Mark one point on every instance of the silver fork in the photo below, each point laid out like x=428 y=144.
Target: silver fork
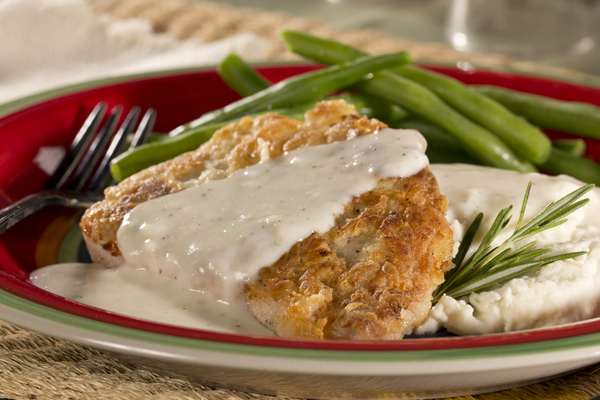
x=73 y=184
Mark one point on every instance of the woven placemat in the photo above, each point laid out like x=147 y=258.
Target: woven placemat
x=35 y=366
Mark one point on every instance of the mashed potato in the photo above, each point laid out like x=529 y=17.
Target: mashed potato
x=561 y=292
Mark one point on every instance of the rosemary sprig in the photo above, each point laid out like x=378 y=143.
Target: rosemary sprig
x=488 y=266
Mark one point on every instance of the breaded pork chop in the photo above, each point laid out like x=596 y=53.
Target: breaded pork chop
x=232 y=148
x=370 y=277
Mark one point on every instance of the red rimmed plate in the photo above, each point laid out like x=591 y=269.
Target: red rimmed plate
x=307 y=368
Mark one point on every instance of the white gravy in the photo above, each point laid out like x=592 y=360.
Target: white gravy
x=218 y=235
x=187 y=255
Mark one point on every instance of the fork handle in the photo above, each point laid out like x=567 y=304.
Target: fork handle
x=25 y=207
x=35 y=202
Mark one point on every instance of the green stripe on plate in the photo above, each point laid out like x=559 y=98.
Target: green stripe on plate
x=50 y=314
x=24 y=102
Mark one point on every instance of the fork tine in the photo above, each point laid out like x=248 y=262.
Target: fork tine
x=96 y=150
x=77 y=148
x=145 y=129
x=116 y=147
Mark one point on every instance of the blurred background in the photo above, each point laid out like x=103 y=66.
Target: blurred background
x=544 y=31
x=50 y=43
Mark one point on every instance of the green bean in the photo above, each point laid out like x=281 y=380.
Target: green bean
x=376 y=107
x=324 y=51
x=522 y=137
x=566 y=116
x=370 y=106
x=156 y=152
x=561 y=162
x=300 y=88
x=476 y=140
x=575 y=147
x=438 y=155
x=442 y=148
x=433 y=134
x=240 y=76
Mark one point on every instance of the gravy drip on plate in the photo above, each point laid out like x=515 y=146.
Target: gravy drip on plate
x=137 y=294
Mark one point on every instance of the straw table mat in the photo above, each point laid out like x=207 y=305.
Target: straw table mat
x=35 y=366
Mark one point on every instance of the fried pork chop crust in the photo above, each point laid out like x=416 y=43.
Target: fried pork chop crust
x=232 y=148
x=371 y=276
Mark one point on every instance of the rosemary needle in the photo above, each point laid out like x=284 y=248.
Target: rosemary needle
x=491 y=265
